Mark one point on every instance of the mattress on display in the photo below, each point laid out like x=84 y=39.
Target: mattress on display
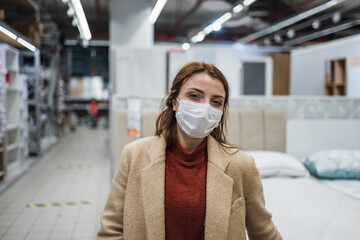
x=305 y=208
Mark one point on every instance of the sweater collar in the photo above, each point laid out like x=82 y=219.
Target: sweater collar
x=216 y=154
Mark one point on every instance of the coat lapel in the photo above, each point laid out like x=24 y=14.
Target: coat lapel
x=218 y=193
x=153 y=185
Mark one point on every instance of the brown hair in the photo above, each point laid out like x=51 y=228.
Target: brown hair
x=166 y=122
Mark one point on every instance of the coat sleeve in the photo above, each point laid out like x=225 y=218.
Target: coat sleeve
x=259 y=224
x=113 y=213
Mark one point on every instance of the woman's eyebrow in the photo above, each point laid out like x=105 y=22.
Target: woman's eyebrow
x=219 y=96
x=202 y=92
x=195 y=89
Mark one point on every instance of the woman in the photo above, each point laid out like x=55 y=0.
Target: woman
x=187 y=182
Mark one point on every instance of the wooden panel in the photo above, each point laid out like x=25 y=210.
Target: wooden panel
x=6 y=39
x=281 y=73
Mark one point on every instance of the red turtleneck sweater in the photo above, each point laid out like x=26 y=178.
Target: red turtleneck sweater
x=185 y=192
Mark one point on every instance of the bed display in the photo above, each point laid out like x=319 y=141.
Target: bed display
x=304 y=207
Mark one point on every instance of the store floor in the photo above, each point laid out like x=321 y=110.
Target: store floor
x=63 y=194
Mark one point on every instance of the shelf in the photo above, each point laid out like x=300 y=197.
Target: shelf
x=12 y=126
x=13 y=89
x=339 y=80
x=340 y=84
x=69 y=99
x=12 y=69
x=12 y=147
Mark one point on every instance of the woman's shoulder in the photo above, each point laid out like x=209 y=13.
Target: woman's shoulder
x=144 y=142
x=240 y=160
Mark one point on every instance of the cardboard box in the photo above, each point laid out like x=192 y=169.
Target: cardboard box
x=2 y=14
x=32 y=30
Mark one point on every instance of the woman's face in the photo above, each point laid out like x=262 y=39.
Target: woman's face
x=202 y=88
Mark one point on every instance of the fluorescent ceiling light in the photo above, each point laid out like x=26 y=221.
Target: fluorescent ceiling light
x=290 y=21
x=194 y=39
x=248 y=2
x=85 y=31
x=157 y=10
x=26 y=44
x=208 y=29
x=216 y=26
x=185 y=46
x=238 y=8
x=200 y=36
x=224 y=18
x=8 y=33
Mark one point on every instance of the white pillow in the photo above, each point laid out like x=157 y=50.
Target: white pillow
x=272 y=164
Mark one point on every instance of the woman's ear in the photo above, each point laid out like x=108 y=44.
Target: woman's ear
x=174 y=105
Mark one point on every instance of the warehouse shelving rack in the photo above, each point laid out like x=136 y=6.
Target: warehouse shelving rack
x=12 y=111
x=43 y=130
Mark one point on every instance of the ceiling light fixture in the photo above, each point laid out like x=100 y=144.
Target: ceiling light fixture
x=200 y=36
x=74 y=22
x=157 y=10
x=70 y=12
x=238 y=8
x=185 y=46
x=290 y=21
x=208 y=29
x=290 y=33
x=216 y=26
x=82 y=22
x=194 y=39
x=248 y=2
x=267 y=41
x=316 y=24
x=336 y=17
x=26 y=44
x=224 y=18
x=278 y=38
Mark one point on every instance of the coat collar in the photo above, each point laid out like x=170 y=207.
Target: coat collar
x=218 y=191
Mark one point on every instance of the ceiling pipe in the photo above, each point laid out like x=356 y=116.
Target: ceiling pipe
x=292 y=8
x=185 y=16
x=322 y=33
x=320 y=18
x=290 y=21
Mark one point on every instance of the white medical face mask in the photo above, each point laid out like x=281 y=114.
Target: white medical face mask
x=197 y=120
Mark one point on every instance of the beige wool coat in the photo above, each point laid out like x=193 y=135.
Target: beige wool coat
x=234 y=196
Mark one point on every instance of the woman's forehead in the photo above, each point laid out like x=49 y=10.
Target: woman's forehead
x=204 y=82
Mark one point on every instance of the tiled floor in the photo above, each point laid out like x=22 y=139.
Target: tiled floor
x=71 y=183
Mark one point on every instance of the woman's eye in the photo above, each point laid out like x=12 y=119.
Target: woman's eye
x=217 y=103
x=195 y=96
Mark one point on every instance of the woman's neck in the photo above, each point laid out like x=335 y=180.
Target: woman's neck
x=188 y=143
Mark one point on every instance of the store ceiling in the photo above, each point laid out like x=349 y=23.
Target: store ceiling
x=182 y=19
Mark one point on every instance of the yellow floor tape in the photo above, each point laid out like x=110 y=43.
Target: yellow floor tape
x=59 y=204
